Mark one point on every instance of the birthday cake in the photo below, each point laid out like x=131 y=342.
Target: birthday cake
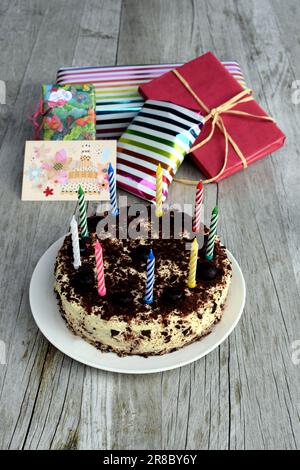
x=121 y=321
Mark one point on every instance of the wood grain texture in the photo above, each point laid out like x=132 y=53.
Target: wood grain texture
x=243 y=395
x=20 y=23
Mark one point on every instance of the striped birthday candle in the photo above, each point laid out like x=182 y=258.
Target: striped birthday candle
x=100 y=269
x=150 y=278
x=193 y=264
x=75 y=243
x=82 y=213
x=209 y=251
x=198 y=207
x=159 y=182
x=112 y=190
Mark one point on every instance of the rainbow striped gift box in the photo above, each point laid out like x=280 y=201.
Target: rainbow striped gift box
x=161 y=133
x=117 y=98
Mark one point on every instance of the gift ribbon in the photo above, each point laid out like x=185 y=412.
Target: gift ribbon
x=215 y=115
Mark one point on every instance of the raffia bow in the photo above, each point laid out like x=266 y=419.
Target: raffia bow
x=215 y=115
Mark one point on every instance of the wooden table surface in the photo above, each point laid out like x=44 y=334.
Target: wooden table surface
x=246 y=393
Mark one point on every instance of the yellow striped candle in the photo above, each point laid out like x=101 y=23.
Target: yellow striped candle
x=193 y=264
x=159 y=181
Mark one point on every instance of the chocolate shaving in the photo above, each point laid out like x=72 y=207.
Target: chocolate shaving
x=125 y=265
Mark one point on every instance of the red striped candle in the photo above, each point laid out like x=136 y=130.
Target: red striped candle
x=198 y=207
x=100 y=269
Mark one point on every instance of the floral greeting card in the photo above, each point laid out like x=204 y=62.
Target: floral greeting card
x=53 y=170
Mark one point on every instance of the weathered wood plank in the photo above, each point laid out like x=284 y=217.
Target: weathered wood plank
x=20 y=23
x=24 y=243
x=244 y=394
x=288 y=179
x=252 y=201
x=52 y=424
x=97 y=42
x=172 y=393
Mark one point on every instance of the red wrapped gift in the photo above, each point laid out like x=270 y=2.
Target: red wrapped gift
x=232 y=116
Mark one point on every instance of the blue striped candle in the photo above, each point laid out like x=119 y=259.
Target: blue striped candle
x=112 y=190
x=150 y=278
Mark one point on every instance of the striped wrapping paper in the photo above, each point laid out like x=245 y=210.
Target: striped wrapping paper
x=160 y=133
x=117 y=97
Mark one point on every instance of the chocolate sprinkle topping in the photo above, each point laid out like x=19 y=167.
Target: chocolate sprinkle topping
x=173 y=295
x=122 y=298
x=114 y=333
x=146 y=333
x=206 y=271
x=83 y=279
x=125 y=275
x=82 y=246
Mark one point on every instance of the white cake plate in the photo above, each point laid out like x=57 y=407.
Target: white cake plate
x=48 y=318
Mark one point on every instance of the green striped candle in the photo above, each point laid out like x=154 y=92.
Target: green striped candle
x=82 y=213
x=209 y=251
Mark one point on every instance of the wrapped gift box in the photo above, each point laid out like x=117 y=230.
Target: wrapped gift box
x=117 y=98
x=67 y=112
x=161 y=134
x=255 y=136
